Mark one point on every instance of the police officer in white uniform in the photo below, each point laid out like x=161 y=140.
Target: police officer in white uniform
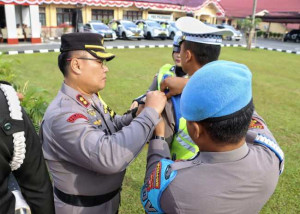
x=86 y=145
x=239 y=163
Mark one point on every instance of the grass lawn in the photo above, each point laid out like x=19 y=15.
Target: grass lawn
x=276 y=94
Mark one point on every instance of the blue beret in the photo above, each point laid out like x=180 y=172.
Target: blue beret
x=218 y=89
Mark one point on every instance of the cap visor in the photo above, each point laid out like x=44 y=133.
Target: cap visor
x=102 y=55
x=194 y=26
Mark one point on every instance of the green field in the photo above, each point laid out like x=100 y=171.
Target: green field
x=276 y=94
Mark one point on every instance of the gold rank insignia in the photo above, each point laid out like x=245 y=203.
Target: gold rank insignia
x=91 y=112
x=106 y=108
x=82 y=100
x=97 y=122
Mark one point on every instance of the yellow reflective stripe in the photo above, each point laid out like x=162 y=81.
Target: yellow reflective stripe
x=95 y=47
x=185 y=136
x=185 y=144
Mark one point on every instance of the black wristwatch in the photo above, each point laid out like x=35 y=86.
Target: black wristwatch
x=155 y=137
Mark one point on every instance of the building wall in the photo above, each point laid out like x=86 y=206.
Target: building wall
x=207 y=14
x=274 y=27
x=52 y=30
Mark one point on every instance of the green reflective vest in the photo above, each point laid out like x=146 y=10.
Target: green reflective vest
x=182 y=146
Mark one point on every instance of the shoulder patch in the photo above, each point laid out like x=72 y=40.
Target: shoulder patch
x=255 y=124
x=154 y=181
x=158 y=181
x=76 y=116
x=82 y=100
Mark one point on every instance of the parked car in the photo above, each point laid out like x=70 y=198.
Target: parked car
x=101 y=28
x=172 y=29
x=293 y=35
x=152 y=29
x=237 y=35
x=126 y=29
x=170 y=26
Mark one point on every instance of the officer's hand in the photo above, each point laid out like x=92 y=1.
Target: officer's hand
x=134 y=105
x=160 y=129
x=156 y=100
x=175 y=85
x=140 y=109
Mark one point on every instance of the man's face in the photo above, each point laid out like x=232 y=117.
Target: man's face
x=177 y=59
x=182 y=55
x=93 y=76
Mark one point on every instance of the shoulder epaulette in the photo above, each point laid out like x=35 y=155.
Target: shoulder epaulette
x=273 y=146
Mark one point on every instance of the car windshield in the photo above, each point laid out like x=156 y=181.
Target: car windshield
x=128 y=24
x=230 y=27
x=153 y=24
x=100 y=27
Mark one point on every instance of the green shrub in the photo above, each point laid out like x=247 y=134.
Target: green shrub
x=259 y=33
x=33 y=102
x=6 y=71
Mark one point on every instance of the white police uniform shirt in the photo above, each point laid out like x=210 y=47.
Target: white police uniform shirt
x=238 y=181
x=87 y=150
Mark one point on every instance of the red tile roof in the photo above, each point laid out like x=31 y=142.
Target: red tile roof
x=189 y=3
x=243 y=8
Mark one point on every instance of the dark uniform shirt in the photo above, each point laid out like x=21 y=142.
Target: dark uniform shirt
x=237 y=181
x=32 y=176
x=87 y=150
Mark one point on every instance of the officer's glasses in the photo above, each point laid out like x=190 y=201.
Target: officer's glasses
x=103 y=63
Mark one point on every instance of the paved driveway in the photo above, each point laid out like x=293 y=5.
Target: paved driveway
x=56 y=44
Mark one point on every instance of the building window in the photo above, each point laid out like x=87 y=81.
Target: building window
x=42 y=16
x=132 y=15
x=103 y=15
x=64 y=16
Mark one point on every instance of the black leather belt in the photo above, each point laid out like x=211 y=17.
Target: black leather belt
x=85 y=201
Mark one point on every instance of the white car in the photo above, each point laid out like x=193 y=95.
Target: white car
x=172 y=29
x=126 y=29
x=101 y=28
x=237 y=35
x=152 y=29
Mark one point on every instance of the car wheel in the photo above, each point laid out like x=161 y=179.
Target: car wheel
x=124 y=35
x=163 y=38
x=172 y=35
x=139 y=39
x=149 y=35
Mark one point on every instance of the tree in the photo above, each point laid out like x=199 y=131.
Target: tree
x=246 y=25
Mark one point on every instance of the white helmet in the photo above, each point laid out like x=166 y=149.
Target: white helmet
x=176 y=41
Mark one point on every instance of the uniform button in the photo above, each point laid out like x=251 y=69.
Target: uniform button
x=7 y=126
